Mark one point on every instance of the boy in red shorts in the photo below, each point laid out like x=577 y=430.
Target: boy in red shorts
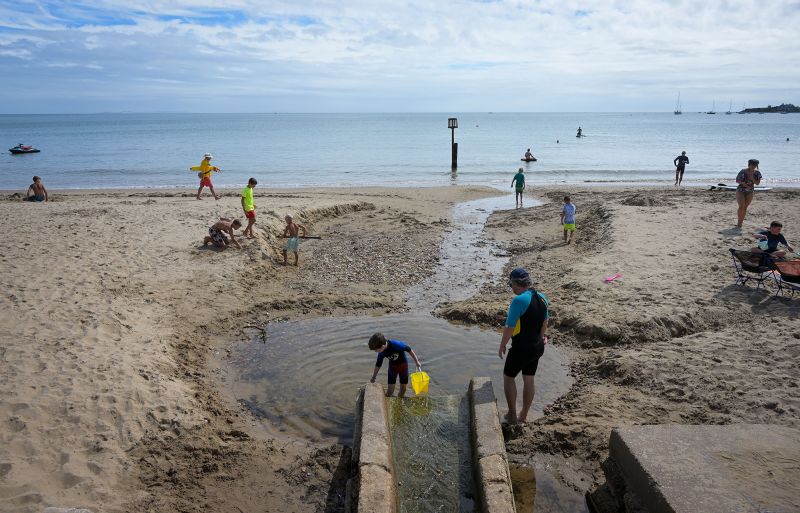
x=395 y=351
x=249 y=207
x=205 y=168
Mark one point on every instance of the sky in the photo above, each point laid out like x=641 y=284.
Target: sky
x=392 y=56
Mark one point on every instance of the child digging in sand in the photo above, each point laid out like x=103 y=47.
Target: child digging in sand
x=36 y=191
x=216 y=234
x=568 y=220
x=292 y=231
x=249 y=207
x=395 y=351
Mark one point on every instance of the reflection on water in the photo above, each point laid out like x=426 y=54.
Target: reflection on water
x=304 y=380
x=431 y=452
x=536 y=491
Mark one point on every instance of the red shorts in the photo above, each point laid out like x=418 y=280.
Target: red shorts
x=205 y=181
x=250 y=215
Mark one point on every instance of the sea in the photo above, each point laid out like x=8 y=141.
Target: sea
x=121 y=150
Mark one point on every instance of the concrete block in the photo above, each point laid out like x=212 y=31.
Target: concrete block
x=374 y=444
x=487 y=433
x=740 y=468
x=356 y=453
x=481 y=391
x=489 y=450
x=497 y=494
x=376 y=490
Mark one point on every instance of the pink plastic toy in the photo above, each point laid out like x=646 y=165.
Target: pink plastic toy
x=612 y=278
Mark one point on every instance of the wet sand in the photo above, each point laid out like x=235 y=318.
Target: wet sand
x=113 y=319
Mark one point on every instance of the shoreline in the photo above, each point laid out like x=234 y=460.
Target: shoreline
x=114 y=318
x=789 y=183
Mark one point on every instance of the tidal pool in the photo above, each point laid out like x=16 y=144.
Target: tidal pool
x=304 y=379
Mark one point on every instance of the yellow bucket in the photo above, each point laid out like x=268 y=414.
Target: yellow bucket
x=419 y=382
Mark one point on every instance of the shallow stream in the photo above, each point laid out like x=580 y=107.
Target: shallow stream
x=304 y=377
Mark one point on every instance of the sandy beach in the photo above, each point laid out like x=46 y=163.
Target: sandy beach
x=114 y=320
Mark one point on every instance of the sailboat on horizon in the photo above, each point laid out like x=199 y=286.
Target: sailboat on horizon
x=678 y=106
x=712 y=111
x=730 y=106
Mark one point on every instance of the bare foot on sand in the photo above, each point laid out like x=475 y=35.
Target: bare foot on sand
x=509 y=419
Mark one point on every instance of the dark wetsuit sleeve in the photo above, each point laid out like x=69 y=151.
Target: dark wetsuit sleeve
x=379 y=361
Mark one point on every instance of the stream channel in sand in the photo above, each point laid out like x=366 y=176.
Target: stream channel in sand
x=304 y=380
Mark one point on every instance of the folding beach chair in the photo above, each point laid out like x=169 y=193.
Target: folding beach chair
x=787 y=275
x=751 y=266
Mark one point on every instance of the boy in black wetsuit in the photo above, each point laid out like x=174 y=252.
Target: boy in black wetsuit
x=680 y=166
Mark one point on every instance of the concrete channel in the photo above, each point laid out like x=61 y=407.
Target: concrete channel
x=372 y=487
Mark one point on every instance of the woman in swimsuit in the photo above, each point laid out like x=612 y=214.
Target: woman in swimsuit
x=747 y=179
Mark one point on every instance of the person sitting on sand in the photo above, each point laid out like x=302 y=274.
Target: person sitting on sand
x=519 y=180
x=770 y=238
x=568 y=219
x=36 y=191
x=747 y=179
x=205 y=168
x=526 y=327
x=292 y=231
x=216 y=234
x=395 y=351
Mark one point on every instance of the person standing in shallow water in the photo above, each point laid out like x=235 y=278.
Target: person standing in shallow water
x=519 y=180
x=680 y=166
x=746 y=181
x=526 y=327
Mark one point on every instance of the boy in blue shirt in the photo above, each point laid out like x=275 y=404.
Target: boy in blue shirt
x=394 y=351
x=568 y=220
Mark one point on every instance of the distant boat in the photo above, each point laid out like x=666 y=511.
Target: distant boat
x=712 y=111
x=730 y=105
x=678 y=106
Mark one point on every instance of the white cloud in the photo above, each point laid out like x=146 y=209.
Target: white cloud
x=505 y=55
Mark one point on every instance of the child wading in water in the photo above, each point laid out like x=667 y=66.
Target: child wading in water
x=568 y=220
x=292 y=231
x=395 y=351
x=249 y=207
x=519 y=179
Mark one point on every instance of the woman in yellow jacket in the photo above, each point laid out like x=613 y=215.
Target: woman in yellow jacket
x=205 y=169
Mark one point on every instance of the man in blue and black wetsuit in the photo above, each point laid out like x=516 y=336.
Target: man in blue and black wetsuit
x=394 y=351
x=526 y=327
x=680 y=166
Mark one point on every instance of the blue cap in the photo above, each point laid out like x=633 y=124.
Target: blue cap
x=519 y=274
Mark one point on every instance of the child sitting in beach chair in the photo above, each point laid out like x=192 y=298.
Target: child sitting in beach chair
x=770 y=238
